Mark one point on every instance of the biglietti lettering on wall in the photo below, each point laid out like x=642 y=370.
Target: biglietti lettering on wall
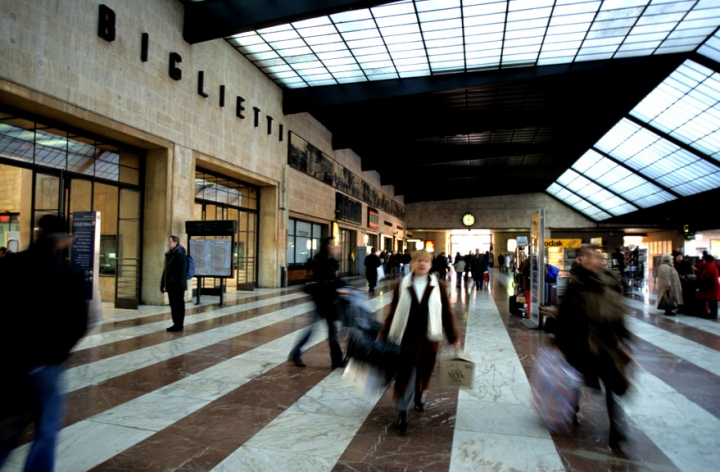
x=107 y=30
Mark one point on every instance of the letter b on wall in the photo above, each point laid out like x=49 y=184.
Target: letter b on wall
x=106 y=23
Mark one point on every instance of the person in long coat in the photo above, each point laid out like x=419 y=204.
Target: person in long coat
x=418 y=315
x=591 y=333
x=687 y=282
x=372 y=262
x=668 y=282
x=708 y=292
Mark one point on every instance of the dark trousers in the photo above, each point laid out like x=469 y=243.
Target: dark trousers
x=177 y=306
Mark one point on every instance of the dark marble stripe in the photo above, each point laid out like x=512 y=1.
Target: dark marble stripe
x=115 y=325
x=105 y=351
x=586 y=449
x=206 y=437
x=655 y=318
x=428 y=444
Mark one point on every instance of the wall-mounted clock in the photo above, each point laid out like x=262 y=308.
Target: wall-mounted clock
x=468 y=219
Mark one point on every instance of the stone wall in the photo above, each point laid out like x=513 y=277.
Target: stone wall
x=498 y=212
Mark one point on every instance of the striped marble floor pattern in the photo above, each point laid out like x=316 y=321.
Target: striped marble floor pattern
x=221 y=396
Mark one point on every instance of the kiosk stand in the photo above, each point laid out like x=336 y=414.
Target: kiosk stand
x=211 y=247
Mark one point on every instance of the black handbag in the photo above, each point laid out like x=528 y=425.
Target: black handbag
x=667 y=302
x=363 y=346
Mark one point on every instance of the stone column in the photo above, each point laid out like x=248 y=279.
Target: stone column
x=271 y=254
x=169 y=199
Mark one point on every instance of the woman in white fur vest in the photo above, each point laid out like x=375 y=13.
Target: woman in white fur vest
x=418 y=316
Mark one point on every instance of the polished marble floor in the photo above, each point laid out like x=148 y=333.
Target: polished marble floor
x=221 y=396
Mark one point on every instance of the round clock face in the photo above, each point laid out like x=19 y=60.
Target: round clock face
x=468 y=219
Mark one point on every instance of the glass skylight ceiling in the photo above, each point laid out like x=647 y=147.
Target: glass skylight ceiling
x=668 y=151
x=414 y=38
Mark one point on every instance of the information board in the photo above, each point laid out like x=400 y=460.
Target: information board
x=213 y=257
x=85 y=247
x=347 y=209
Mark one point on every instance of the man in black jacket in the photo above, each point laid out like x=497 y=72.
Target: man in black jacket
x=174 y=281
x=44 y=314
x=372 y=262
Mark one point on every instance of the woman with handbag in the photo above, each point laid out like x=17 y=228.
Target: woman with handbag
x=669 y=290
x=419 y=313
x=708 y=292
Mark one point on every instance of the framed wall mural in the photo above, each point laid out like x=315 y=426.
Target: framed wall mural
x=306 y=158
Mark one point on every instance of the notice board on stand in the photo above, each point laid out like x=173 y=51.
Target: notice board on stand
x=213 y=257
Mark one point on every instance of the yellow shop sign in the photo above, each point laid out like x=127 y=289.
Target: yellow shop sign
x=564 y=243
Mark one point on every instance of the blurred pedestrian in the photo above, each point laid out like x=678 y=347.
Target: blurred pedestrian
x=324 y=267
x=591 y=333
x=418 y=315
x=174 y=281
x=44 y=314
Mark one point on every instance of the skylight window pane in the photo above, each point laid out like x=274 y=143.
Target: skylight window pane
x=398 y=8
x=401 y=30
x=371 y=51
x=361 y=35
x=412 y=67
x=567 y=177
x=392 y=21
x=291 y=44
x=427 y=5
x=589 y=159
x=255 y=48
x=317 y=31
x=356 y=26
x=450 y=13
x=280 y=36
x=564 y=46
x=492 y=22
x=345 y=70
x=408 y=71
x=352 y=15
x=269 y=63
x=485 y=10
x=326 y=39
x=442 y=25
x=554 y=189
x=451 y=45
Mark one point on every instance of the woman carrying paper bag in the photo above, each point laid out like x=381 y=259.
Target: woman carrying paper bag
x=419 y=313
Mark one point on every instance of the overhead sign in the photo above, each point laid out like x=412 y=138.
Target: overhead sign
x=564 y=243
x=535 y=225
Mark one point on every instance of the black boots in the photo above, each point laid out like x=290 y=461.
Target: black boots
x=402 y=423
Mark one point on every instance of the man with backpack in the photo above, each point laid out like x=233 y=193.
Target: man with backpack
x=174 y=281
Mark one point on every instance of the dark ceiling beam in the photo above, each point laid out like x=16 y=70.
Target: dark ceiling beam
x=213 y=19
x=422 y=154
x=310 y=98
x=447 y=173
x=392 y=128
x=417 y=192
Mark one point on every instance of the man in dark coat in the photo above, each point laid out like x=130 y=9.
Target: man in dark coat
x=174 y=281
x=372 y=262
x=591 y=333
x=324 y=268
x=44 y=314
x=478 y=266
